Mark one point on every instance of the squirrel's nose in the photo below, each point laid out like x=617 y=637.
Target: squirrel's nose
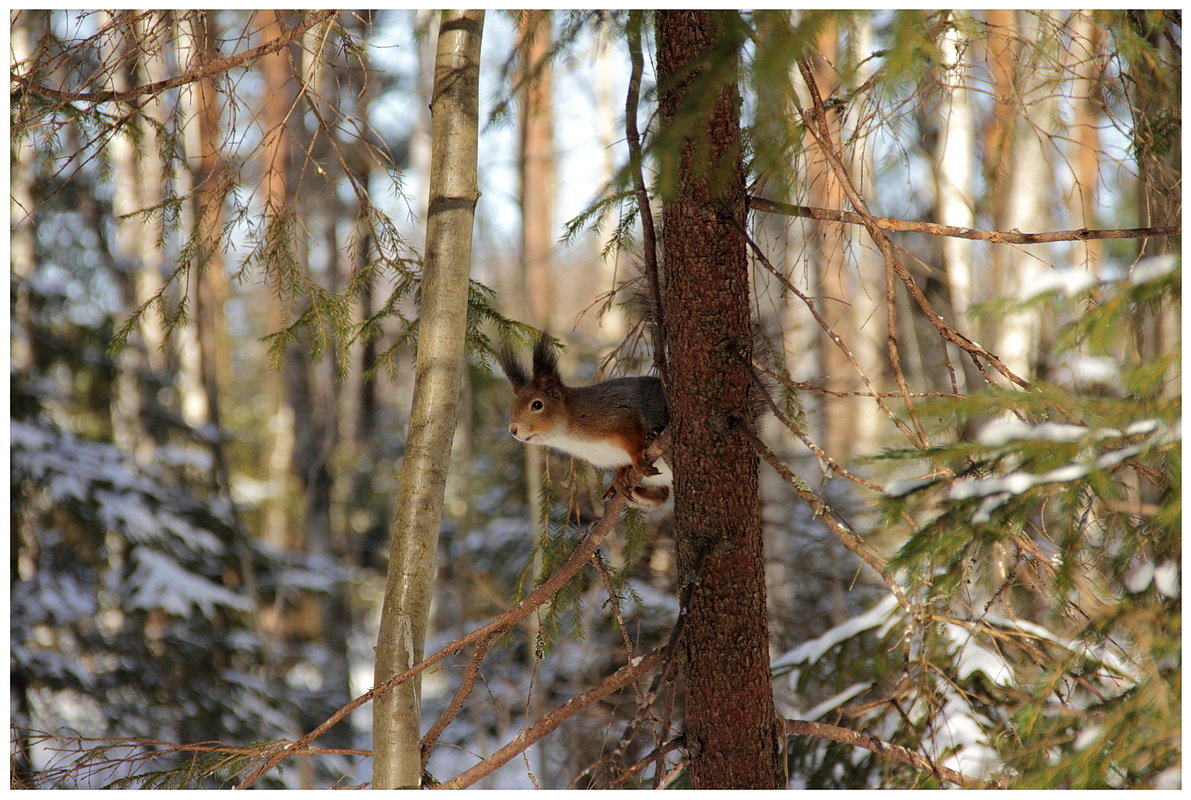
x=513 y=428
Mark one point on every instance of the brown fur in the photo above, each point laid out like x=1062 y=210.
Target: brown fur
x=609 y=424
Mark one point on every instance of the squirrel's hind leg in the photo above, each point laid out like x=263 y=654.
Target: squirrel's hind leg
x=644 y=497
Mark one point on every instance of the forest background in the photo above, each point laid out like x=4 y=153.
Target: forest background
x=971 y=495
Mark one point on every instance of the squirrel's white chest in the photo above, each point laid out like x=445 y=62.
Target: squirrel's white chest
x=594 y=452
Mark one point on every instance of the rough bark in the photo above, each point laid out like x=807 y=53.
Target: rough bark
x=732 y=733
x=438 y=377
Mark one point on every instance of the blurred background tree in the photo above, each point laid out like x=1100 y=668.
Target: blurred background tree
x=973 y=551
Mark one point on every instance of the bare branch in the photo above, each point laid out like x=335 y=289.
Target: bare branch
x=933 y=229
x=465 y=687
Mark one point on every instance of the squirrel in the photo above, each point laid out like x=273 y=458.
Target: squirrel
x=607 y=424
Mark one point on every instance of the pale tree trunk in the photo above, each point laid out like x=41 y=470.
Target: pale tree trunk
x=438 y=372
x=867 y=308
x=211 y=289
x=1086 y=53
x=953 y=170
x=537 y=167
x=138 y=185
x=192 y=392
x=23 y=235
x=1157 y=88
x=1029 y=181
x=998 y=128
x=538 y=193
x=538 y=190
x=613 y=323
x=832 y=281
x=953 y=175
x=731 y=730
x=803 y=357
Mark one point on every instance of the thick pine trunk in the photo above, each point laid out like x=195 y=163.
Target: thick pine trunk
x=438 y=377
x=732 y=733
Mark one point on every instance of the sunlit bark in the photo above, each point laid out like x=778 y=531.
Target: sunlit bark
x=438 y=369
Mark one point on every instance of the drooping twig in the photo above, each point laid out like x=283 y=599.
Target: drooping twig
x=933 y=229
x=456 y=704
x=655 y=755
x=831 y=334
x=669 y=664
x=789 y=425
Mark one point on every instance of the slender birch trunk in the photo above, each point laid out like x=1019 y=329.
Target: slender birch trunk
x=454 y=110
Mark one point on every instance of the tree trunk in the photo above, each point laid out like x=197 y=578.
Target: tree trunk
x=538 y=195
x=1028 y=194
x=953 y=180
x=277 y=520
x=732 y=733
x=438 y=376
x=953 y=171
x=537 y=167
x=1086 y=54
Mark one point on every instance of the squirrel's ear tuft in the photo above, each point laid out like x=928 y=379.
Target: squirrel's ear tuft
x=545 y=360
x=514 y=370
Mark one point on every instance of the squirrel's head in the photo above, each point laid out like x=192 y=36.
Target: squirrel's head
x=538 y=402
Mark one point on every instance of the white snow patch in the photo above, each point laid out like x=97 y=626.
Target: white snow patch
x=161 y=582
x=834 y=702
x=1166 y=579
x=901 y=488
x=1070 y=282
x=809 y=652
x=1149 y=269
x=1078 y=370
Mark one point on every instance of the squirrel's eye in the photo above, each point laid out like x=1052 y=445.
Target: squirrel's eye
x=536 y=405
